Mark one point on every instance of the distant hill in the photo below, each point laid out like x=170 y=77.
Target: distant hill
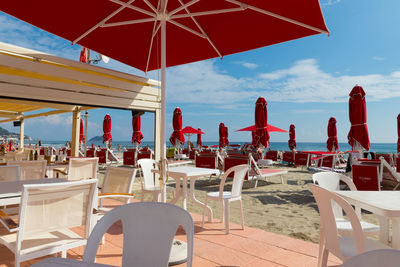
x=6 y=133
x=98 y=138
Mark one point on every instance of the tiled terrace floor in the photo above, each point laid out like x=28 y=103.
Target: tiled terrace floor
x=212 y=247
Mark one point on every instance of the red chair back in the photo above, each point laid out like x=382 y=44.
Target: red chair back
x=235 y=160
x=69 y=152
x=192 y=154
x=387 y=157
x=42 y=151
x=90 y=153
x=129 y=157
x=102 y=155
x=272 y=155
x=327 y=162
x=288 y=157
x=397 y=164
x=301 y=159
x=144 y=155
x=365 y=177
x=206 y=160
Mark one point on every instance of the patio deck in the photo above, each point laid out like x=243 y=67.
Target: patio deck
x=212 y=247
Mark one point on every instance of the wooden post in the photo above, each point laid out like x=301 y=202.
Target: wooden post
x=76 y=117
x=157 y=135
x=21 y=134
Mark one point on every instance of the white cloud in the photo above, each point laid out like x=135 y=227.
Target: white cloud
x=378 y=58
x=250 y=65
x=329 y=2
x=307 y=111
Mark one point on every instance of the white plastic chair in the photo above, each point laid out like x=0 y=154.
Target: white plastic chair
x=149 y=182
x=47 y=213
x=225 y=198
x=342 y=247
x=31 y=169
x=379 y=257
x=81 y=168
x=148 y=231
x=10 y=173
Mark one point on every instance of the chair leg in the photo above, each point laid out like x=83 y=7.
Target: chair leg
x=204 y=212
x=64 y=253
x=17 y=261
x=222 y=211
x=255 y=185
x=226 y=206
x=241 y=213
x=321 y=246
x=324 y=259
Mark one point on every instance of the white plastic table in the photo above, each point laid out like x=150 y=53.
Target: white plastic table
x=384 y=204
x=191 y=173
x=62 y=262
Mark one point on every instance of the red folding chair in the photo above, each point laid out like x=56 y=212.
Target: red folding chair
x=328 y=162
x=102 y=155
x=387 y=156
x=301 y=159
x=234 y=160
x=288 y=156
x=366 y=177
x=272 y=155
x=129 y=157
x=206 y=160
x=90 y=153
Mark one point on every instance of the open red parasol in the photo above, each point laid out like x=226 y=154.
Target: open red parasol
x=261 y=137
x=358 y=133
x=81 y=132
x=188 y=130
x=398 y=133
x=292 y=137
x=137 y=135
x=332 y=142
x=177 y=135
x=199 y=143
x=107 y=128
x=270 y=128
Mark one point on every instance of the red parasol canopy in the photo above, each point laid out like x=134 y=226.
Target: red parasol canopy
x=199 y=143
x=270 y=128
x=292 y=137
x=107 y=128
x=223 y=135
x=261 y=136
x=358 y=118
x=177 y=124
x=398 y=133
x=137 y=135
x=188 y=130
x=332 y=142
x=81 y=132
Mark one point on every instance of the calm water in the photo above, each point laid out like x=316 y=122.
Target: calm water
x=377 y=147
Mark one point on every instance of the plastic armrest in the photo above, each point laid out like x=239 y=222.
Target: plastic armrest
x=8 y=222
x=60 y=171
x=114 y=195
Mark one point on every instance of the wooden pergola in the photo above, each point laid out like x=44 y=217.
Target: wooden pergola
x=32 y=81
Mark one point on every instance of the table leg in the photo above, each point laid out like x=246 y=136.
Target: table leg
x=396 y=233
x=178 y=191
x=184 y=192
x=383 y=229
x=197 y=202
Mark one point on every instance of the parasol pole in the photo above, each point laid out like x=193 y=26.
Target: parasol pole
x=163 y=98
x=86 y=124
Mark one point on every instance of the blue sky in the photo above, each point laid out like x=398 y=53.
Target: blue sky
x=304 y=81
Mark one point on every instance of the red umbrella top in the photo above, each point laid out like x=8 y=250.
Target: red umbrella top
x=270 y=128
x=261 y=136
x=137 y=135
x=199 y=143
x=398 y=133
x=358 y=118
x=292 y=137
x=107 y=128
x=193 y=28
x=177 y=124
x=332 y=142
x=223 y=135
x=81 y=132
x=188 y=130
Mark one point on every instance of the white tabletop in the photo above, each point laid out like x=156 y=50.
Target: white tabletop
x=62 y=262
x=189 y=171
x=385 y=203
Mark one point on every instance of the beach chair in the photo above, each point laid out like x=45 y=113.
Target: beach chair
x=80 y=169
x=90 y=153
x=211 y=160
x=148 y=232
x=288 y=157
x=255 y=173
x=301 y=159
x=342 y=247
x=145 y=153
x=102 y=155
x=272 y=155
x=130 y=156
x=389 y=178
x=373 y=258
x=366 y=177
x=233 y=160
x=387 y=156
x=225 y=198
x=31 y=169
x=47 y=214
x=398 y=164
x=10 y=173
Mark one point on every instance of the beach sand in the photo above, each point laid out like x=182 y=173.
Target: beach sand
x=287 y=209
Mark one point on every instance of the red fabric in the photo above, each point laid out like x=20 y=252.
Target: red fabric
x=199 y=143
x=270 y=128
x=240 y=31
x=261 y=136
x=137 y=135
x=177 y=124
x=107 y=128
x=190 y=130
x=81 y=132
x=83 y=56
x=398 y=133
x=332 y=142
x=365 y=177
x=292 y=138
x=358 y=118
x=223 y=135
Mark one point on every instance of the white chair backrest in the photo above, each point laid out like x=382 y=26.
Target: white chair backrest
x=328 y=180
x=148 y=177
x=240 y=172
x=82 y=168
x=10 y=173
x=148 y=231
x=373 y=258
x=10 y=156
x=118 y=180
x=31 y=169
x=24 y=155
x=324 y=199
x=55 y=206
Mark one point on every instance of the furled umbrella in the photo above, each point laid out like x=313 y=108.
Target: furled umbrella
x=107 y=129
x=81 y=132
x=398 y=133
x=137 y=135
x=358 y=135
x=177 y=137
x=332 y=143
x=226 y=135
x=83 y=56
x=223 y=135
x=199 y=143
x=292 y=137
x=261 y=137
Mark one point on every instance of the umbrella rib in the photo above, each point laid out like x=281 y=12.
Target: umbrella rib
x=151 y=6
x=155 y=30
x=134 y=8
x=187 y=28
x=183 y=6
x=129 y=22
x=263 y=11
x=103 y=21
x=201 y=29
x=211 y=12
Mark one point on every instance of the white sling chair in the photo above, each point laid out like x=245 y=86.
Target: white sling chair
x=47 y=213
x=31 y=169
x=10 y=173
x=80 y=168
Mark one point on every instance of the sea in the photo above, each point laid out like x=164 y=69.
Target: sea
x=301 y=146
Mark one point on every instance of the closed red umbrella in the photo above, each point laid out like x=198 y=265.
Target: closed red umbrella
x=226 y=135
x=199 y=143
x=107 y=128
x=358 y=134
x=223 y=135
x=137 y=135
x=177 y=135
x=81 y=132
x=398 y=133
x=292 y=137
x=332 y=142
x=261 y=136
x=83 y=57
